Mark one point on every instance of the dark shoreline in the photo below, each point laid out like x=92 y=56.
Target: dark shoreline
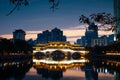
x=14 y=57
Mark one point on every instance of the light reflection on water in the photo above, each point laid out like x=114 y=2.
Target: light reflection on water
x=73 y=70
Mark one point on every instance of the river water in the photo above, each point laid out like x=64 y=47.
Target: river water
x=43 y=69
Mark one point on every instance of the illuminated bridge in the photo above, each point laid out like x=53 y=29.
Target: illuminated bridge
x=59 y=51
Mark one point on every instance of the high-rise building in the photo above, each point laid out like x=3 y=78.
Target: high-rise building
x=78 y=41
x=83 y=40
x=110 y=38
x=56 y=34
x=44 y=37
x=19 y=34
x=51 y=36
x=101 y=41
x=117 y=15
x=64 y=38
x=40 y=38
x=91 y=34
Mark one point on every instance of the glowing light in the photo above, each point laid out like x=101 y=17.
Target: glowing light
x=117 y=64
x=13 y=63
x=106 y=70
x=61 y=45
x=59 y=62
x=5 y=64
x=55 y=45
x=65 y=50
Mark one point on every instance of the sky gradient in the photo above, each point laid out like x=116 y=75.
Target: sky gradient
x=38 y=16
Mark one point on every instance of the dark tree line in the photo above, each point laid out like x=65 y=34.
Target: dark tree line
x=114 y=46
x=14 y=46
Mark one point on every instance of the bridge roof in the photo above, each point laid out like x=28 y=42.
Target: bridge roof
x=58 y=45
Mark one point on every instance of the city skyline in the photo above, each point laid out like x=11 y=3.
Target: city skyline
x=72 y=38
x=37 y=17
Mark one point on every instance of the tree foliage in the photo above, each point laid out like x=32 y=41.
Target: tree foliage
x=22 y=46
x=104 y=21
x=55 y=4
x=114 y=46
x=16 y=46
x=5 y=46
x=19 y=3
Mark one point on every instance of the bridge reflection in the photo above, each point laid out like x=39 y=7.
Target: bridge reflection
x=49 y=69
x=54 y=69
x=14 y=70
x=59 y=65
x=45 y=67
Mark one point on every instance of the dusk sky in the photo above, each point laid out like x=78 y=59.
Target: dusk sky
x=38 y=16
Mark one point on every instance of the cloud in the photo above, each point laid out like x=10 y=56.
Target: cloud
x=34 y=32
x=8 y=36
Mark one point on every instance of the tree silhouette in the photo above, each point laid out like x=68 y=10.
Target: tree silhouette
x=22 y=46
x=19 y=3
x=55 y=4
x=8 y=46
x=103 y=20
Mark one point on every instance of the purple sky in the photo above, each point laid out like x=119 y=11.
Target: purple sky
x=38 y=15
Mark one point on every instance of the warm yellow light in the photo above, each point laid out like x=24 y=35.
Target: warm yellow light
x=61 y=45
x=55 y=45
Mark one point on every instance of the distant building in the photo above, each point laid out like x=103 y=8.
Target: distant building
x=110 y=38
x=47 y=36
x=64 y=39
x=51 y=36
x=83 y=40
x=91 y=34
x=31 y=41
x=44 y=37
x=117 y=15
x=79 y=41
x=19 y=34
x=56 y=35
x=40 y=38
x=101 y=41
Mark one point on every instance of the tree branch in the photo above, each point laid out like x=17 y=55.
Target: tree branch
x=13 y=9
x=17 y=4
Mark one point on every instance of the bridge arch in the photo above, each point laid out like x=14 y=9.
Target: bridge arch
x=39 y=55
x=58 y=55
x=76 y=55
